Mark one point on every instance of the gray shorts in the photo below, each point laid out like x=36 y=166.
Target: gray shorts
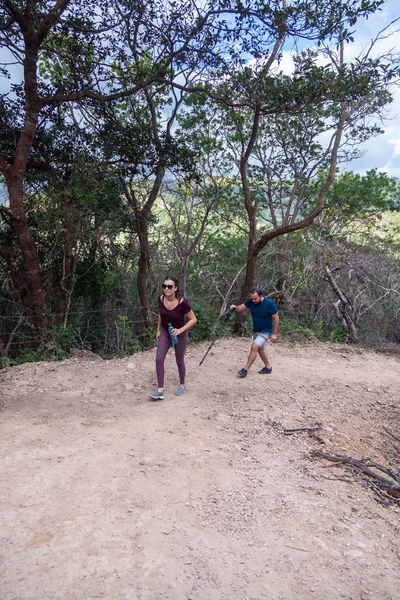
x=261 y=338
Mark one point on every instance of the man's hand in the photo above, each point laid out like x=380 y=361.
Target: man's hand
x=232 y=307
x=273 y=337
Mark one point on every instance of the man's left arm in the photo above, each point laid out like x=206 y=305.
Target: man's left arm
x=274 y=334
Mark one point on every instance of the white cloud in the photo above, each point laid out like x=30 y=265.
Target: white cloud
x=396 y=144
x=286 y=64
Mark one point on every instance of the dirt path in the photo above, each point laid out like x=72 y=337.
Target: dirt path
x=105 y=494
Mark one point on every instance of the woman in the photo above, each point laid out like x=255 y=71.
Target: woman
x=173 y=309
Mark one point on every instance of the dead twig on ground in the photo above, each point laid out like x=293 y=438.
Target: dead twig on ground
x=311 y=429
x=386 y=489
x=317 y=437
x=345 y=479
x=392 y=434
x=296 y=548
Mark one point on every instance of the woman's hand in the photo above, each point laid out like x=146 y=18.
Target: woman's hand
x=158 y=335
x=176 y=332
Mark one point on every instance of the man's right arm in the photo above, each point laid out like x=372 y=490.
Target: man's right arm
x=239 y=308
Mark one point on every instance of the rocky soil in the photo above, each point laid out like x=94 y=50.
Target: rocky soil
x=106 y=494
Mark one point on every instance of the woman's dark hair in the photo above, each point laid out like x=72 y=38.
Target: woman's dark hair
x=256 y=290
x=176 y=282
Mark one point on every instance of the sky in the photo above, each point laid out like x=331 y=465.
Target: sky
x=383 y=151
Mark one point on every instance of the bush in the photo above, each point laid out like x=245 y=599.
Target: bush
x=306 y=329
x=206 y=318
x=295 y=331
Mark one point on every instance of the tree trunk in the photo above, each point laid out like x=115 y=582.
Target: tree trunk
x=142 y=216
x=143 y=266
x=35 y=301
x=251 y=208
x=343 y=308
x=64 y=290
x=248 y=284
x=183 y=274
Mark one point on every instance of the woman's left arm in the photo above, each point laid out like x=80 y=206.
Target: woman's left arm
x=192 y=320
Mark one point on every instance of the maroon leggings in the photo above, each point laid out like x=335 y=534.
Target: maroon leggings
x=164 y=344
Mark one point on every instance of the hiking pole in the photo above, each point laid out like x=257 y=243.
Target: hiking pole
x=224 y=322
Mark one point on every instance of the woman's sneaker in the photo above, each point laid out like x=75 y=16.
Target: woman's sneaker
x=265 y=371
x=157 y=395
x=180 y=391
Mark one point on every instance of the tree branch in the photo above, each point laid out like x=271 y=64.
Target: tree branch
x=50 y=19
x=59 y=98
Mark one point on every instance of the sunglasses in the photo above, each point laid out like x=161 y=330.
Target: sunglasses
x=167 y=286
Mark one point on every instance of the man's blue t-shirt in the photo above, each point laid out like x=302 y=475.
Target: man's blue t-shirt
x=261 y=314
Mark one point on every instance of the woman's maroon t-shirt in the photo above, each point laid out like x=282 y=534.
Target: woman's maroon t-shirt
x=176 y=316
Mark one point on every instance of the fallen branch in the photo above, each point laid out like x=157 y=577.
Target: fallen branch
x=345 y=479
x=392 y=434
x=317 y=437
x=309 y=429
x=296 y=548
x=381 y=485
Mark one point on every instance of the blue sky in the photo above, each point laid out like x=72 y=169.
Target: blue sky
x=383 y=151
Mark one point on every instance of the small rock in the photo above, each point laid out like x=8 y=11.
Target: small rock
x=85 y=354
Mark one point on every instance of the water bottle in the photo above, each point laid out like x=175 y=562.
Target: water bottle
x=174 y=339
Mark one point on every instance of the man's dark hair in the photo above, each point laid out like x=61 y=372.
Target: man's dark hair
x=256 y=290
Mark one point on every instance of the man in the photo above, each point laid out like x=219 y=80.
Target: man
x=265 y=325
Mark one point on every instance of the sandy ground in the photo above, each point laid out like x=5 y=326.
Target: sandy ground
x=106 y=494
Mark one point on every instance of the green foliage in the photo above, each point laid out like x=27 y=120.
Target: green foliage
x=128 y=344
x=4 y=362
x=290 y=328
x=148 y=337
x=206 y=322
x=55 y=344
x=306 y=329
x=362 y=195
x=355 y=204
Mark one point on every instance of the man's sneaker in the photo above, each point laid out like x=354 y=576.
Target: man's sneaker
x=242 y=372
x=265 y=371
x=157 y=395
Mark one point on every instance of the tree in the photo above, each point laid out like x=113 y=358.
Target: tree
x=355 y=202
x=190 y=208
x=276 y=142
x=77 y=51
x=68 y=51
x=361 y=281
